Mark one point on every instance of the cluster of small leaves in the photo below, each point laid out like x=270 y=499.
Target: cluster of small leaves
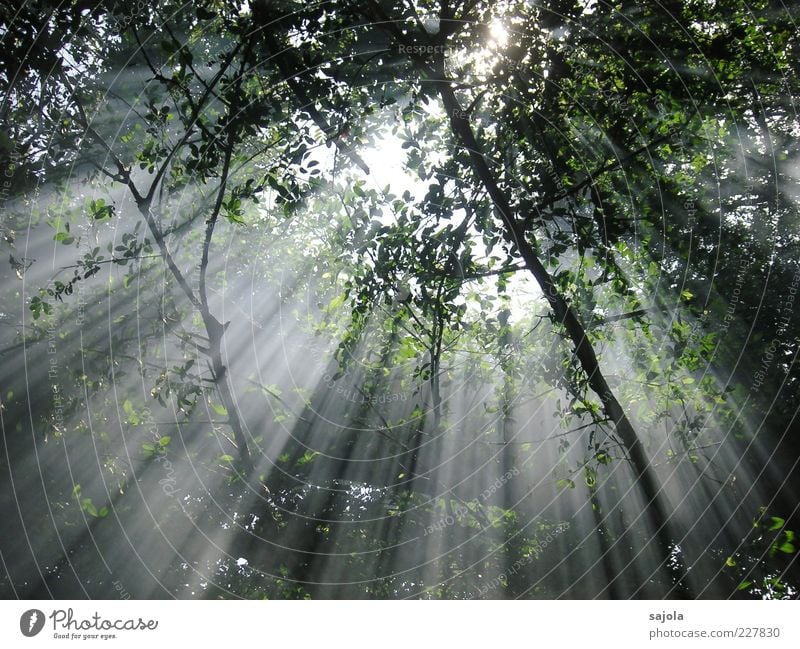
x=87 y=505
x=131 y=248
x=157 y=448
x=181 y=384
x=757 y=565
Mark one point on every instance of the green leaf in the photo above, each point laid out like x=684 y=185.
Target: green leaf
x=99 y=210
x=565 y=483
x=307 y=457
x=225 y=459
x=220 y=410
x=89 y=507
x=777 y=523
x=744 y=584
x=336 y=302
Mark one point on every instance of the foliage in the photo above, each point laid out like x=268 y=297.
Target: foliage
x=586 y=227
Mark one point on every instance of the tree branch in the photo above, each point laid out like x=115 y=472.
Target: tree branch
x=592 y=177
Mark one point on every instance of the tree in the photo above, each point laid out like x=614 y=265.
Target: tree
x=565 y=239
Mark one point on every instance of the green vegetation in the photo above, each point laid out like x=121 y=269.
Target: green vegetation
x=400 y=299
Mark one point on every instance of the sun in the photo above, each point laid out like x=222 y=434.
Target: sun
x=498 y=33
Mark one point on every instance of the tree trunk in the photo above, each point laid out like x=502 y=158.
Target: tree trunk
x=515 y=235
x=220 y=375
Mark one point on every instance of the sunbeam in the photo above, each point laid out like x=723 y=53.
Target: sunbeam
x=460 y=300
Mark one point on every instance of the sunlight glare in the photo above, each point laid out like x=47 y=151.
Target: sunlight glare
x=498 y=33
